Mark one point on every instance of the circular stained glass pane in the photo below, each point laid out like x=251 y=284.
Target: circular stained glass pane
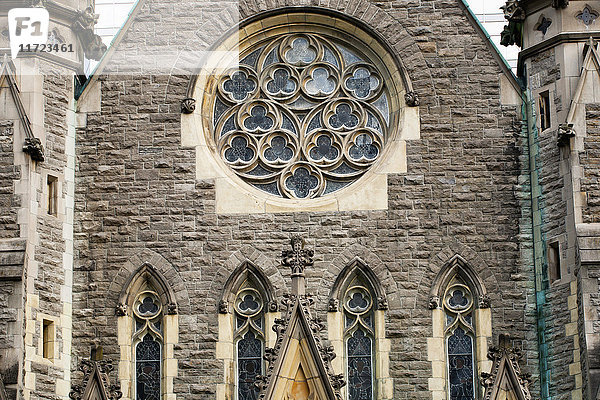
x=357 y=300
x=248 y=302
x=147 y=305
x=302 y=115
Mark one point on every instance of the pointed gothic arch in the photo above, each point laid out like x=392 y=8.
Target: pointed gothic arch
x=462 y=326
x=148 y=329
x=246 y=271
x=147 y=274
x=357 y=268
x=457 y=266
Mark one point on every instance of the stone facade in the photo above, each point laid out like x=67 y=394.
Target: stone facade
x=481 y=192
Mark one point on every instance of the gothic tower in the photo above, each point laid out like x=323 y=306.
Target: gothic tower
x=558 y=66
x=37 y=165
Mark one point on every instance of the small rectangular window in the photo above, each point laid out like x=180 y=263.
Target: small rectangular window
x=544 y=110
x=554 y=273
x=52 y=195
x=48 y=339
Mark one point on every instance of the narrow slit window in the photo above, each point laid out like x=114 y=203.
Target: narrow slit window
x=544 y=110
x=48 y=339
x=52 y=184
x=554 y=273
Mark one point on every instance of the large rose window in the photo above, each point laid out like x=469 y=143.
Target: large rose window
x=301 y=116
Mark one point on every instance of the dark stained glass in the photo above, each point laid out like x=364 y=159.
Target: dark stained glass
x=460 y=365
x=249 y=361
x=147 y=369
x=458 y=299
x=360 y=367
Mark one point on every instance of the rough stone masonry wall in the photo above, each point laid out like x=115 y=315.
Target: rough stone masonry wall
x=9 y=173
x=590 y=160
x=136 y=190
x=551 y=201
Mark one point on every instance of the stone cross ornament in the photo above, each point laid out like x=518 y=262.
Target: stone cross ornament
x=298 y=258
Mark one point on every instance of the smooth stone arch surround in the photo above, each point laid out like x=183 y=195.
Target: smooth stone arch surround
x=233 y=195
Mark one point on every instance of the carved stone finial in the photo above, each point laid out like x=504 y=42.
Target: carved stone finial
x=298 y=258
x=565 y=133
x=412 y=99
x=92 y=44
x=33 y=147
x=484 y=301
x=434 y=302
x=188 y=105
x=333 y=305
x=121 y=310
x=223 y=307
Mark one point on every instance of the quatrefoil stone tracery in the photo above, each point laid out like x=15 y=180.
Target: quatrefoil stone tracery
x=302 y=115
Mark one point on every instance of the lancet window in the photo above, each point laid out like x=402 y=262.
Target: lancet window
x=458 y=308
x=147 y=343
x=249 y=340
x=359 y=334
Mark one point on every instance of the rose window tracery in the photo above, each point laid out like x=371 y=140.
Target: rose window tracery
x=302 y=115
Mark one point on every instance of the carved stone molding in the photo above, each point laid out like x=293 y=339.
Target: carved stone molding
x=505 y=363
x=96 y=383
x=188 y=105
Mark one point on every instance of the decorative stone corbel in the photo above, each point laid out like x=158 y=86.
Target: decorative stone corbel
x=83 y=26
x=484 y=301
x=171 y=309
x=382 y=303
x=121 y=310
x=33 y=146
x=272 y=306
x=565 y=133
x=434 y=302
x=188 y=105
x=333 y=305
x=223 y=307
x=412 y=99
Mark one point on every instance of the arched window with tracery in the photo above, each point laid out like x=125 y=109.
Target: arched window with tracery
x=460 y=339
x=148 y=342
x=359 y=334
x=246 y=306
x=356 y=330
x=249 y=340
x=462 y=326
